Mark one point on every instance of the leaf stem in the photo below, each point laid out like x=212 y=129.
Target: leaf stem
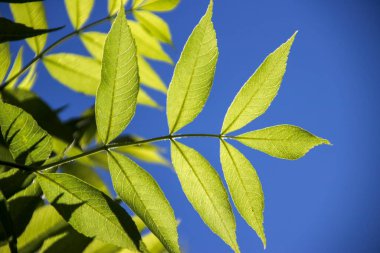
x=110 y=147
x=56 y=43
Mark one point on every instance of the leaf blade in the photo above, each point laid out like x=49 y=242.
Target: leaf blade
x=79 y=11
x=155 y=25
x=258 y=92
x=193 y=75
x=5 y=60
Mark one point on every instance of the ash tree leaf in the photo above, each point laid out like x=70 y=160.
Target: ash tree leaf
x=114 y=5
x=89 y=211
x=16 y=67
x=244 y=186
x=6 y=224
x=116 y=97
x=282 y=141
x=157 y=5
x=205 y=191
x=149 y=77
x=11 y=31
x=29 y=80
x=94 y=43
x=5 y=60
x=144 y=99
x=19 y=1
x=79 y=73
x=27 y=142
x=141 y=193
x=258 y=92
x=79 y=11
x=155 y=25
x=193 y=75
x=32 y=15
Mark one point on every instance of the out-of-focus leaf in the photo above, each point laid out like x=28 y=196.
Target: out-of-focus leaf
x=156 y=5
x=13 y=181
x=116 y=97
x=27 y=142
x=205 y=191
x=149 y=77
x=141 y=193
x=5 y=60
x=245 y=187
x=79 y=73
x=144 y=99
x=114 y=5
x=282 y=141
x=11 y=31
x=20 y=1
x=32 y=15
x=6 y=224
x=147 y=45
x=79 y=11
x=155 y=25
x=89 y=211
x=258 y=92
x=193 y=75
x=29 y=80
x=94 y=43
x=16 y=67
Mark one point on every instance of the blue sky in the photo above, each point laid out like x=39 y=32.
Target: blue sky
x=325 y=202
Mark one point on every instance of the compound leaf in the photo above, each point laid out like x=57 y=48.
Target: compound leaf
x=79 y=11
x=205 y=191
x=244 y=186
x=193 y=75
x=282 y=141
x=155 y=25
x=141 y=193
x=258 y=92
x=116 y=97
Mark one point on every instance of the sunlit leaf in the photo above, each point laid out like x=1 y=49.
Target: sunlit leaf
x=258 y=92
x=27 y=142
x=79 y=73
x=149 y=77
x=244 y=186
x=5 y=60
x=282 y=141
x=205 y=191
x=114 y=5
x=141 y=193
x=147 y=45
x=157 y=5
x=32 y=15
x=193 y=75
x=79 y=11
x=144 y=99
x=94 y=43
x=14 y=180
x=116 y=97
x=11 y=31
x=29 y=80
x=155 y=25
x=89 y=211
x=20 y=1
x=16 y=67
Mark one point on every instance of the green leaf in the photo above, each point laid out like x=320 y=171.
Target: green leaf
x=11 y=31
x=144 y=99
x=14 y=180
x=282 y=141
x=114 y=5
x=32 y=15
x=258 y=92
x=141 y=193
x=16 y=67
x=205 y=191
x=147 y=45
x=6 y=224
x=193 y=75
x=149 y=77
x=29 y=80
x=155 y=25
x=89 y=211
x=157 y=5
x=79 y=11
x=27 y=142
x=5 y=60
x=79 y=73
x=94 y=43
x=116 y=97
x=244 y=186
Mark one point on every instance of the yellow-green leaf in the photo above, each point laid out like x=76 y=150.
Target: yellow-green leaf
x=79 y=11
x=147 y=45
x=16 y=67
x=116 y=97
x=32 y=15
x=157 y=5
x=155 y=25
x=29 y=80
x=193 y=75
x=27 y=142
x=205 y=191
x=79 y=73
x=114 y=5
x=141 y=193
x=89 y=211
x=144 y=99
x=282 y=141
x=149 y=77
x=5 y=60
x=244 y=186
x=94 y=43
x=258 y=92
